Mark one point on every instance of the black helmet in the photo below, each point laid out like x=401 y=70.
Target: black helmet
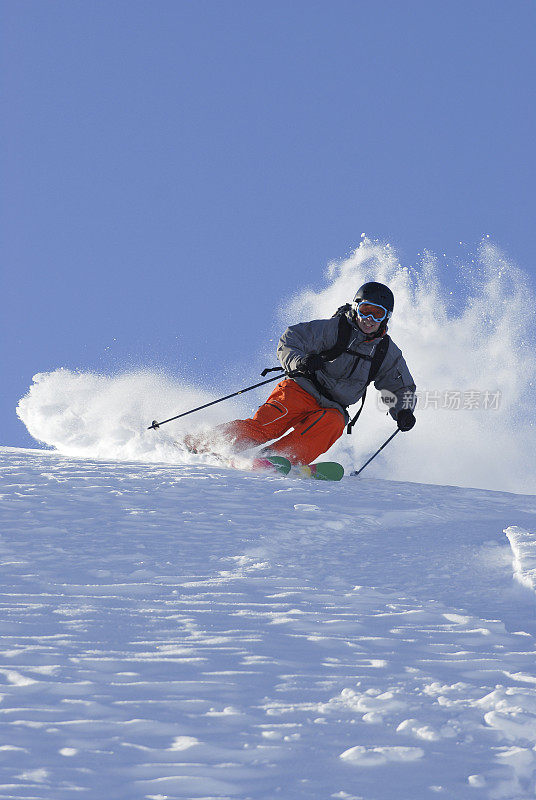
x=377 y=293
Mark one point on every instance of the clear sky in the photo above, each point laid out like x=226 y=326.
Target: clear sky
x=173 y=170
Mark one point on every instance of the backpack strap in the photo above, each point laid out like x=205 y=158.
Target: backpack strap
x=378 y=357
x=344 y=335
x=375 y=363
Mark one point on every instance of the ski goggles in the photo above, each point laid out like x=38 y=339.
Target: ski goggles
x=365 y=309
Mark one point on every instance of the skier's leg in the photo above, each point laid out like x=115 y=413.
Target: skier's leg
x=312 y=436
x=271 y=420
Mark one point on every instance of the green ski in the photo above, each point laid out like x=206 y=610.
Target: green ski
x=280 y=464
x=324 y=471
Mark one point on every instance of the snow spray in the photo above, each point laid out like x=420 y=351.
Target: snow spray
x=105 y=416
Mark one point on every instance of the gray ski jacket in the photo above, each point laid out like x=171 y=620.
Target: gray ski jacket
x=345 y=378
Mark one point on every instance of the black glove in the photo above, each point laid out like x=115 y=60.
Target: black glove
x=405 y=419
x=311 y=363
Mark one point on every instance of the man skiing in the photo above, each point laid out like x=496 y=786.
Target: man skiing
x=328 y=365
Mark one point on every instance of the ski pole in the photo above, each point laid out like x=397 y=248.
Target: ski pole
x=154 y=424
x=356 y=472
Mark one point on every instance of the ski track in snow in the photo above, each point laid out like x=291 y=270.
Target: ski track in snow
x=189 y=631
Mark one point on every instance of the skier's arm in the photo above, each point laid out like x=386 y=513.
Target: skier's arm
x=395 y=377
x=306 y=338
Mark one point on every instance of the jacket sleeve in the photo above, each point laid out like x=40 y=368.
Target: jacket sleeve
x=394 y=376
x=304 y=338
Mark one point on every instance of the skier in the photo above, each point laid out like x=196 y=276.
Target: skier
x=328 y=364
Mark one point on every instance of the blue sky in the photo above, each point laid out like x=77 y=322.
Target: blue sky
x=172 y=171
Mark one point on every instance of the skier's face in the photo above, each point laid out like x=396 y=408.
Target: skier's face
x=368 y=324
x=369 y=315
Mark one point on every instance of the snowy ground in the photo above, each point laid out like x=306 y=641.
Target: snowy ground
x=189 y=631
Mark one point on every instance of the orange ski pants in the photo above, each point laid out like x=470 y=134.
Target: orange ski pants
x=315 y=428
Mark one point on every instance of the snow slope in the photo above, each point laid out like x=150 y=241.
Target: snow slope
x=189 y=631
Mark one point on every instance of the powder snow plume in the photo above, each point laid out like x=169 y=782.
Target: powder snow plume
x=106 y=416
x=472 y=354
